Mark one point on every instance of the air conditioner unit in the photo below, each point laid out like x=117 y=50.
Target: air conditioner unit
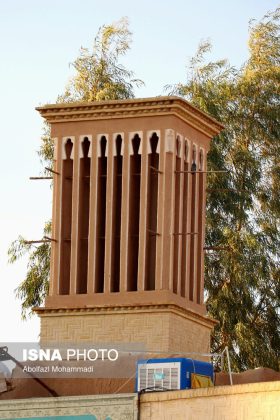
x=169 y=374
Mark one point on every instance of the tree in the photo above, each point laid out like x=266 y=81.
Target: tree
x=99 y=75
x=35 y=286
x=243 y=207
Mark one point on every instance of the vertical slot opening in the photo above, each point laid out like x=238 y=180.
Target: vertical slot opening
x=134 y=214
x=152 y=201
x=101 y=216
x=200 y=222
x=116 y=216
x=177 y=216
x=184 y=222
x=66 y=219
x=83 y=222
x=193 y=216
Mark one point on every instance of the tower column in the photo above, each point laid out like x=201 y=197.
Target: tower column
x=160 y=264
x=143 y=212
x=109 y=202
x=181 y=200
x=56 y=210
x=189 y=220
x=201 y=226
x=124 y=215
x=92 y=215
x=168 y=209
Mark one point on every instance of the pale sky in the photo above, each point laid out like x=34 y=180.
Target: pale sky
x=38 y=40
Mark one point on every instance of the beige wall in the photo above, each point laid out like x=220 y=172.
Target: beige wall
x=164 y=329
x=116 y=407
x=259 y=401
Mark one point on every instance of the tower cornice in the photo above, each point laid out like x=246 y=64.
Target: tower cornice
x=132 y=108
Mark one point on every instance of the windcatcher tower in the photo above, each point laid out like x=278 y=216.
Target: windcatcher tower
x=128 y=224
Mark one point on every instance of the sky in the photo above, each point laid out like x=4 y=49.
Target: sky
x=38 y=41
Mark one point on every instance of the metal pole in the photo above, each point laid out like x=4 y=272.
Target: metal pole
x=222 y=360
x=229 y=367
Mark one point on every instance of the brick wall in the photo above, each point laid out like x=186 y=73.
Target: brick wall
x=167 y=330
x=259 y=401
x=103 y=407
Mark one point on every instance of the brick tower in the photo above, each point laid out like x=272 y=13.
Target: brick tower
x=128 y=224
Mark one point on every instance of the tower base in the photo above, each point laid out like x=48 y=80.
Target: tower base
x=156 y=328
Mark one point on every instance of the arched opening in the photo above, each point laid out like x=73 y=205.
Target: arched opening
x=193 y=168
x=201 y=160
x=83 y=222
x=185 y=237
x=101 y=215
x=134 y=214
x=152 y=202
x=193 y=218
x=176 y=237
x=66 y=218
x=201 y=178
x=116 y=215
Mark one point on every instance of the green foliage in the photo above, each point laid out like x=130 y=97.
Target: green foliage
x=99 y=75
x=243 y=284
x=35 y=285
x=46 y=147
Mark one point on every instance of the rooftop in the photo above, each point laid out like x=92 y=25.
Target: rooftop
x=132 y=108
